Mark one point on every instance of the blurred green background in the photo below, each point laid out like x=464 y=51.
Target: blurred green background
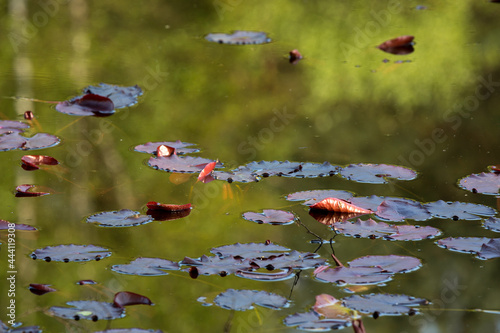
x=345 y=102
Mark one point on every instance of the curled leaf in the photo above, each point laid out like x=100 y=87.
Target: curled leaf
x=125 y=298
x=340 y=206
x=153 y=205
x=32 y=162
x=27 y=190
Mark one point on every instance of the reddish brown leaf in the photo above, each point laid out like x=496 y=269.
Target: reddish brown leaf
x=164 y=150
x=340 y=206
x=96 y=102
x=31 y=162
x=27 y=190
x=153 y=205
x=295 y=56
x=396 y=42
x=28 y=115
x=40 y=289
x=124 y=298
x=207 y=170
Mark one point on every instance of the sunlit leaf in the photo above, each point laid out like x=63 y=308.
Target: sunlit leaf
x=291 y=169
x=376 y=173
x=241 y=300
x=384 y=304
x=458 y=210
x=339 y=206
x=126 y=298
x=121 y=218
x=90 y=310
x=270 y=216
x=146 y=267
x=332 y=308
x=273 y=276
x=239 y=37
x=67 y=253
x=372 y=202
x=204 y=175
x=32 y=162
x=8 y=126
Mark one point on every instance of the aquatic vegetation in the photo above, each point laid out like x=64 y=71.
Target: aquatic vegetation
x=239 y=38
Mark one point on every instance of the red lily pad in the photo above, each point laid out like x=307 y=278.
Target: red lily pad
x=384 y=304
x=376 y=173
x=398 y=210
x=40 y=289
x=270 y=216
x=389 y=263
x=493 y=224
x=318 y=195
x=463 y=244
x=32 y=162
x=458 y=210
x=249 y=250
x=166 y=215
x=354 y=275
x=90 y=310
x=126 y=298
x=484 y=183
x=339 y=206
x=71 y=252
x=400 y=45
x=174 y=163
x=122 y=97
x=241 y=300
x=490 y=250
x=121 y=218
x=27 y=190
x=153 y=205
x=216 y=265
x=4 y=225
x=146 y=267
x=17 y=141
x=239 y=37
x=180 y=147
x=313 y=321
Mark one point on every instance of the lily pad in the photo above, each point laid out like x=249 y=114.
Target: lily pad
x=318 y=195
x=493 y=224
x=249 y=250
x=180 y=147
x=293 y=259
x=90 y=310
x=389 y=263
x=4 y=225
x=463 y=244
x=484 y=183
x=121 y=218
x=174 y=163
x=458 y=210
x=240 y=175
x=17 y=141
x=217 y=266
x=239 y=37
x=354 y=275
x=398 y=210
x=270 y=216
x=364 y=229
x=372 y=202
x=313 y=321
x=384 y=304
x=28 y=190
x=71 y=252
x=414 y=233
x=7 y=126
x=241 y=300
x=291 y=169
x=122 y=97
x=376 y=173
x=490 y=250
x=147 y=267
x=279 y=275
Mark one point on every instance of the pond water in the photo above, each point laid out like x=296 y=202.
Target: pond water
x=434 y=110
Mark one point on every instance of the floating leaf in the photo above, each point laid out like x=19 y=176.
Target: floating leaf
x=241 y=300
x=121 y=218
x=270 y=216
x=339 y=206
x=330 y=218
x=8 y=126
x=205 y=174
x=371 y=202
x=280 y=275
x=414 y=233
x=239 y=38
x=4 y=225
x=294 y=56
x=318 y=195
x=312 y=321
x=484 y=183
x=293 y=259
x=458 y=210
x=398 y=210
x=22 y=329
x=166 y=151
x=32 y=162
x=291 y=169
x=67 y=253
x=364 y=229
x=249 y=250
x=146 y=267
x=90 y=310
x=376 y=173
x=121 y=96
x=153 y=205
x=389 y=263
x=176 y=163
x=17 y=141
x=216 y=265
x=126 y=298
x=180 y=147
x=86 y=282
x=27 y=190
x=384 y=304
x=166 y=215
x=332 y=308
x=463 y=244
x=400 y=45
x=490 y=250
x=238 y=175
x=40 y=289
x=493 y=224
x=354 y=275
x=87 y=105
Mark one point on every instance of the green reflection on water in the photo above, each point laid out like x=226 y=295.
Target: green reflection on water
x=341 y=104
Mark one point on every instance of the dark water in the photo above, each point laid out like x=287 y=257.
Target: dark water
x=436 y=112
